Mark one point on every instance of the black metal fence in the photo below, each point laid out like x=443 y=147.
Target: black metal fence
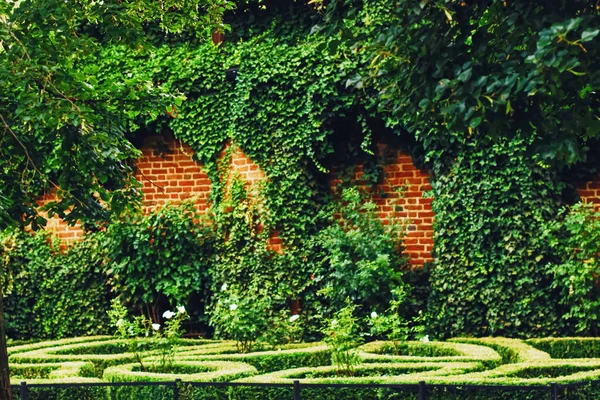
x=296 y=390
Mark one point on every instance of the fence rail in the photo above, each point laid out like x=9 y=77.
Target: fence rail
x=296 y=386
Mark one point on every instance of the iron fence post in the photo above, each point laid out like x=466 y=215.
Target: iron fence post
x=554 y=391
x=297 y=390
x=176 y=389
x=422 y=390
x=24 y=391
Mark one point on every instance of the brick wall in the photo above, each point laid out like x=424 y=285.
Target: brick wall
x=410 y=204
x=168 y=172
x=57 y=226
x=590 y=192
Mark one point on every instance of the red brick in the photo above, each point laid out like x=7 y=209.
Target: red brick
x=587 y=193
x=404 y=174
x=593 y=184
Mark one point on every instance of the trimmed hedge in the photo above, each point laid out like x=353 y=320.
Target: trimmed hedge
x=511 y=350
x=368 y=373
x=428 y=352
x=275 y=360
x=190 y=371
x=576 y=347
x=462 y=361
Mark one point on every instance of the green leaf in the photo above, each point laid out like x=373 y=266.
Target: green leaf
x=475 y=122
x=465 y=75
x=589 y=34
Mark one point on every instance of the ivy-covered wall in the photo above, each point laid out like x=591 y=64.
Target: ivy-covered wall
x=168 y=172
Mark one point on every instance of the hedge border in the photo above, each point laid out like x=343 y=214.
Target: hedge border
x=470 y=353
x=511 y=350
x=224 y=370
x=444 y=368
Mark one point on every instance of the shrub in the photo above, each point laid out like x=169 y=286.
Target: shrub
x=342 y=337
x=142 y=335
x=53 y=293
x=191 y=371
x=405 y=352
x=308 y=355
x=568 y=347
x=363 y=257
x=162 y=255
x=575 y=237
x=493 y=273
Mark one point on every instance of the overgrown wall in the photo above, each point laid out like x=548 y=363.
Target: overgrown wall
x=168 y=172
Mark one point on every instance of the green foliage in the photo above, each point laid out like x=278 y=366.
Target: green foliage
x=576 y=240
x=492 y=273
x=499 y=96
x=63 y=119
x=164 y=254
x=343 y=337
x=53 y=293
x=362 y=258
x=143 y=335
x=467 y=79
x=241 y=315
x=392 y=326
x=568 y=347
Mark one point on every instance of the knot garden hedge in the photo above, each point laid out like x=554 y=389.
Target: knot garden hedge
x=460 y=361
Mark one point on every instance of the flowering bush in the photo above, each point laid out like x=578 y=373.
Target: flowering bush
x=143 y=335
x=284 y=329
x=362 y=257
x=244 y=319
x=343 y=337
x=251 y=320
x=392 y=326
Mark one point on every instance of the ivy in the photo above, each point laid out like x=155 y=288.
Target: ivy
x=493 y=273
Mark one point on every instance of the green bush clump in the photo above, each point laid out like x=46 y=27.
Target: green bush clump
x=493 y=273
x=568 y=347
x=575 y=238
x=164 y=255
x=53 y=293
x=362 y=257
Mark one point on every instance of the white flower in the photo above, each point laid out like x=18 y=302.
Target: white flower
x=233 y=307
x=425 y=339
x=168 y=314
x=120 y=322
x=224 y=287
x=373 y=314
x=294 y=317
x=156 y=326
x=333 y=323
x=180 y=309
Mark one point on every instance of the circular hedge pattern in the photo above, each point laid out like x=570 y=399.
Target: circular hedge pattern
x=458 y=361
